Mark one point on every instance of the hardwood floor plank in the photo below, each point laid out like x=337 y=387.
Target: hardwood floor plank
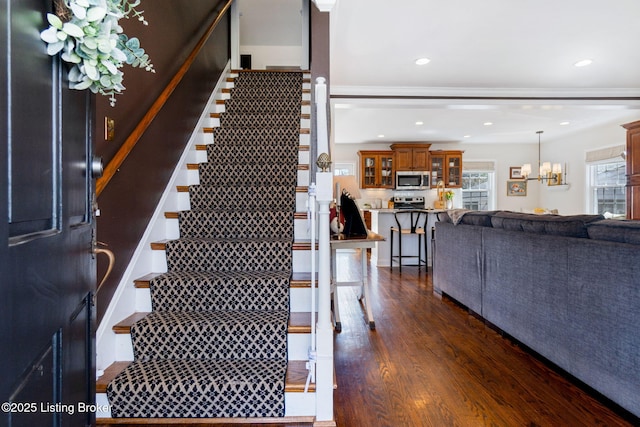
x=429 y=362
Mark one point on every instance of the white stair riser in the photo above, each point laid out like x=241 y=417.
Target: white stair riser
x=296 y=405
x=302 y=260
x=300 y=299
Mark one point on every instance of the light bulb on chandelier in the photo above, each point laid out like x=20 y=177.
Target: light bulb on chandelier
x=552 y=174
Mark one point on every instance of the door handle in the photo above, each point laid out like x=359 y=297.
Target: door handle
x=97 y=168
x=112 y=260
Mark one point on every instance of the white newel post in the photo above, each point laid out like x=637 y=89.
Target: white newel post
x=324 y=328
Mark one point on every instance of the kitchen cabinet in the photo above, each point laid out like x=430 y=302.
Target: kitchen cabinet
x=446 y=166
x=411 y=156
x=633 y=169
x=376 y=169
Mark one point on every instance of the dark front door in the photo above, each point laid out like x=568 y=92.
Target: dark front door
x=46 y=270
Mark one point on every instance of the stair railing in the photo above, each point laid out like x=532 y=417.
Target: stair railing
x=323 y=195
x=131 y=141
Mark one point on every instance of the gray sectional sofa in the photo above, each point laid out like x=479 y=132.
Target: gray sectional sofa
x=568 y=287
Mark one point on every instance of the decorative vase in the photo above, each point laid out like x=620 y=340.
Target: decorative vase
x=449 y=203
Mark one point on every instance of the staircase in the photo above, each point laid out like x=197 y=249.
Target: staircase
x=227 y=334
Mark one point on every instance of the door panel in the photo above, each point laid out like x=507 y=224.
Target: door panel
x=47 y=270
x=34 y=210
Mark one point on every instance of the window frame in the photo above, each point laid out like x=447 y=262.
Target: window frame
x=591 y=187
x=491 y=183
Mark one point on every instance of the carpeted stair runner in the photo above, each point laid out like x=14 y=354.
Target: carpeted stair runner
x=215 y=344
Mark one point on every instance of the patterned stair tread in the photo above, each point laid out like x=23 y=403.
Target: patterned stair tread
x=244 y=174
x=197 y=254
x=261 y=196
x=212 y=224
x=221 y=290
x=304 y=116
x=196 y=166
x=299 y=323
x=299 y=245
x=298 y=279
x=211 y=335
x=203 y=147
x=294 y=382
x=228 y=90
x=199 y=388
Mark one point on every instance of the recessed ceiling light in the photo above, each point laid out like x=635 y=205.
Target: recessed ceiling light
x=419 y=123
x=422 y=61
x=583 y=63
x=381 y=136
x=564 y=123
x=467 y=136
x=488 y=123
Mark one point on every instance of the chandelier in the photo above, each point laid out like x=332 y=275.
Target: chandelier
x=552 y=174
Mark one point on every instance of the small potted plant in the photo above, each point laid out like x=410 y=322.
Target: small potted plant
x=448 y=197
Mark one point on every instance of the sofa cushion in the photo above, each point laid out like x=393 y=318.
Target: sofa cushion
x=559 y=225
x=481 y=218
x=615 y=230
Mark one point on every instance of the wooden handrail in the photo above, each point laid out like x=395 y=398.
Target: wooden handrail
x=138 y=131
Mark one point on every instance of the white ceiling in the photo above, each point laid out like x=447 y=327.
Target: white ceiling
x=509 y=62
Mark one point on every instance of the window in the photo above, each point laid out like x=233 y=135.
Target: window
x=477 y=190
x=608 y=196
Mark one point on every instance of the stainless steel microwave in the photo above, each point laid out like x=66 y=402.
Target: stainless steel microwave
x=412 y=180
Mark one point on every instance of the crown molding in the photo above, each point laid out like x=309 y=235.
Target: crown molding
x=564 y=94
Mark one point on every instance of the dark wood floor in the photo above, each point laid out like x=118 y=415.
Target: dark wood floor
x=430 y=363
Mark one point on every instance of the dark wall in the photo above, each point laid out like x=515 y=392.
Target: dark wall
x=128 y=201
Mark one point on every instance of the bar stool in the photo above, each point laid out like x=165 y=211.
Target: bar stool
x=410 y=222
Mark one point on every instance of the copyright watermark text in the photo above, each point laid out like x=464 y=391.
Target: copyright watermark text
x=66 y=408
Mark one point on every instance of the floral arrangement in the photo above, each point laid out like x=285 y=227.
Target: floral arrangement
x=448 y=195
x=91 y=40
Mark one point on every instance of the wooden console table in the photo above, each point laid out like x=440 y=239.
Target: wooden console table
x=364 y=296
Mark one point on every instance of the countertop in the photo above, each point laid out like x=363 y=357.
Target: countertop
x=392 y=211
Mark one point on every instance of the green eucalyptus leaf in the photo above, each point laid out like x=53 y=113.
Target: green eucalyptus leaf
x=83 y=84
x=91 y=71
x=133 y=43
x=118 y=55
x=54 y=21
x=104 y=45
x=73 y=30
x=96 y=14
x=50 y=35
x=71 y=57
x=91 y=43
x=54 y=48
x=110 y=66
x=79 y=11
x=105 y=81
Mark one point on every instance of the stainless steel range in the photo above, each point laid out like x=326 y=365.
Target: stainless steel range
x=408 y=202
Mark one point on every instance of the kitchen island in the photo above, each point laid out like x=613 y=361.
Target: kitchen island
x=381 y=222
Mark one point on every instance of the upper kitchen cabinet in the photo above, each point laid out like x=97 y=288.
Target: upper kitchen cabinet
x=376 y=169
x=446 y=166
x=411 y=156
x=633 y=169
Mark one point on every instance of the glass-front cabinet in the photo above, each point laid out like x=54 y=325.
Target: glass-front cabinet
x=376 y=169
x=446 y=166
